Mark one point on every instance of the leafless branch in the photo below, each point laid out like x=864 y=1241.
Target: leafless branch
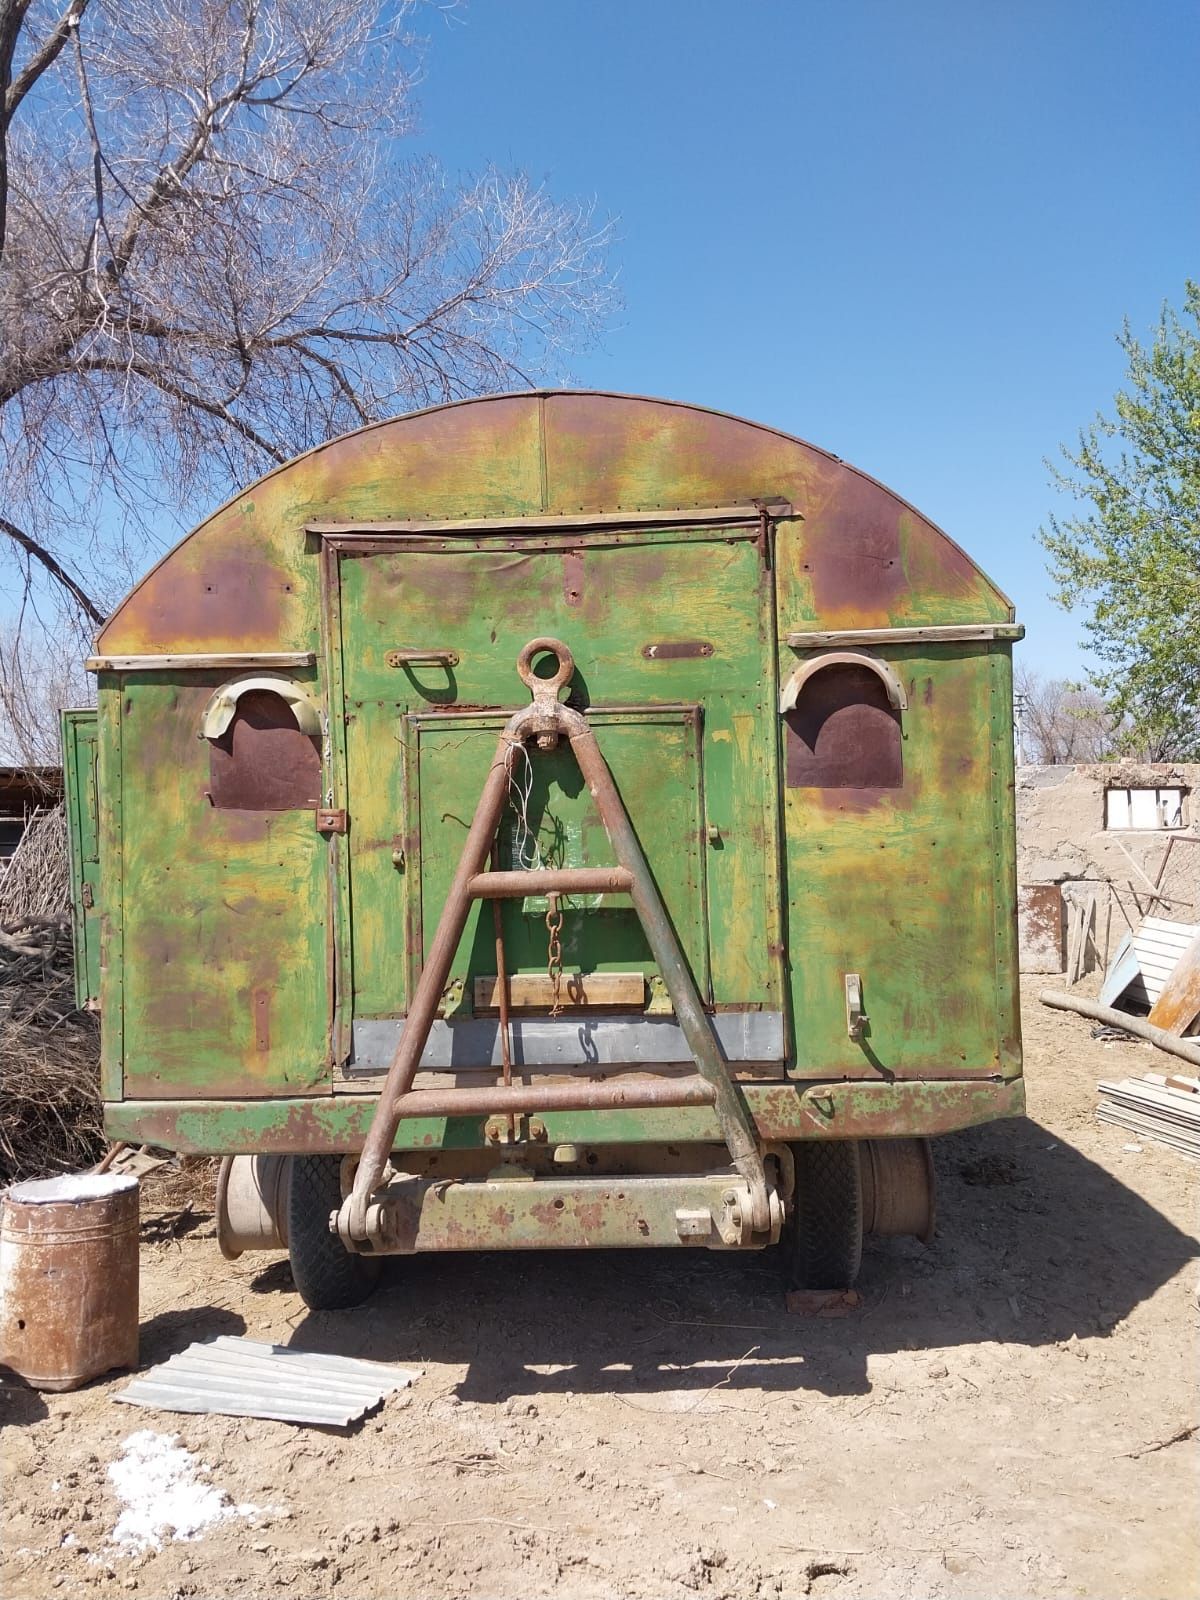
x=216 y=257
x=38 y=551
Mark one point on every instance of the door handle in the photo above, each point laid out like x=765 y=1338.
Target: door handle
x=422 y=658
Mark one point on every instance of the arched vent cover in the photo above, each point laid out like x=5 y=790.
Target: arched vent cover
x=842 y=730
x=264 y=746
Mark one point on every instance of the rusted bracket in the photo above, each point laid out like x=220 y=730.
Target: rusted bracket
x=546 y=721
x=331 y=820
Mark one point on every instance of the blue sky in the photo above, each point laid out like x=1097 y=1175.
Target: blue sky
x=907 y=232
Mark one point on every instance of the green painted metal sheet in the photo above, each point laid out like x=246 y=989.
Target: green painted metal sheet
x=690 y=739
x=224 y=947
x=782 y=1111
x=910 y=887
x=80 y=757
x=237 y=947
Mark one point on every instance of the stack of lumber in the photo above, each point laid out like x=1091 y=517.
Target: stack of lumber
x=1163 y=1108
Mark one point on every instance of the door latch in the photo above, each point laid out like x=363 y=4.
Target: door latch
x=857 y=1020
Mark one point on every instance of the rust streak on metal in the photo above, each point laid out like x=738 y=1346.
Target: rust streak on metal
x=573 y=577
x=262 y=1021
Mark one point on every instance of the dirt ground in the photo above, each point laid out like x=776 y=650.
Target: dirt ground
x=1006 y=1414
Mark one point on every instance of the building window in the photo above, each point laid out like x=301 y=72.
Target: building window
x=1143 y=809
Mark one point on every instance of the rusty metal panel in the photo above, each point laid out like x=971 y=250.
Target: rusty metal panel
x=1041 y=928
x=263 y=762
x=844 y=733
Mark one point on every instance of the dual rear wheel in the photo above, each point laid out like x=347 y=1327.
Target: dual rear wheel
x=823 y=1237
x=328 y=1276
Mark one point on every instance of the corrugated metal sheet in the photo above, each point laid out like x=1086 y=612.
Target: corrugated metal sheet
x=243 y=1378
x=1145 y=959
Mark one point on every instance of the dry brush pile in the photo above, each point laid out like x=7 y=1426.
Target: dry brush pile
x=50 y=1117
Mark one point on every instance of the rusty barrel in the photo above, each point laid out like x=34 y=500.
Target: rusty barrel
x=69 y=1278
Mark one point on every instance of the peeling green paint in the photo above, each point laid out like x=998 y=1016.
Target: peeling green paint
x=236 y=948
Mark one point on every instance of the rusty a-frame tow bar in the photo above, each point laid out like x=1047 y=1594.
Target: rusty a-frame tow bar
x=753 y=1205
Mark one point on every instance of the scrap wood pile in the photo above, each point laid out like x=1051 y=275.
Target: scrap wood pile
x=50 y=1119
x=1157 y=1107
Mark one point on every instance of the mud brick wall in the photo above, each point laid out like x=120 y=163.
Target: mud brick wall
x=1065 y=853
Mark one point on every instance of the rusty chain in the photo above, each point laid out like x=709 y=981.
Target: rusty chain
x=554 y=922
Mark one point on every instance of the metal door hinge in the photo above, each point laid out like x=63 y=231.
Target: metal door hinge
x=330 y=820
x=88 y=898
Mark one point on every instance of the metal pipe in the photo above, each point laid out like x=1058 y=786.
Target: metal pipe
x=502 y=995
x=589 y=1095
x=734 y=1119
x=1137 y=1026
x=378 y=1144
x=553 y=880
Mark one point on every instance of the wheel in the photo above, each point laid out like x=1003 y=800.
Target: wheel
x=823 y=1238
x=328 y=1276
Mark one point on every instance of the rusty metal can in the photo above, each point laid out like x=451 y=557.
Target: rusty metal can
x=69 y=1278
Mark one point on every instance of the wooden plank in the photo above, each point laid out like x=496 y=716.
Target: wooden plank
x=534 y=991
x=942 y=634
x=165 y=663
x=1178 y=1006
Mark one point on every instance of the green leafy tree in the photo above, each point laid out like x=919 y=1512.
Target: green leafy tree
x=1132 y=559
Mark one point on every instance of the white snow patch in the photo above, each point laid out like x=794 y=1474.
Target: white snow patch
x=72 y=1186
x=163 y=1493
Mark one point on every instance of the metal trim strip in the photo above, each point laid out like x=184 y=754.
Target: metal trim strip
x=559 y=1043
x=650 y=517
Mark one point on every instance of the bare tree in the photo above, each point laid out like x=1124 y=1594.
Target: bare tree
x=34 y=684
x=1062 y=722
x=213 y=255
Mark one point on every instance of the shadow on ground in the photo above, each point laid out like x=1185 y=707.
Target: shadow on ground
x=19 y=1404
x=1035 y=1243
x=171 y=1331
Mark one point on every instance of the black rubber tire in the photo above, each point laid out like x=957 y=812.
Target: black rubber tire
x=824 y=1236
x=328 y=1276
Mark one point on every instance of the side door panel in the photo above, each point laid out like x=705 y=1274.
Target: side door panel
x=79 y=751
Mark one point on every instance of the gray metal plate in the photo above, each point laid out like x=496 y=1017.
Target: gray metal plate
x=561 y=1042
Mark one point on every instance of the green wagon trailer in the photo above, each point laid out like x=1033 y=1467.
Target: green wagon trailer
x=556 y=820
